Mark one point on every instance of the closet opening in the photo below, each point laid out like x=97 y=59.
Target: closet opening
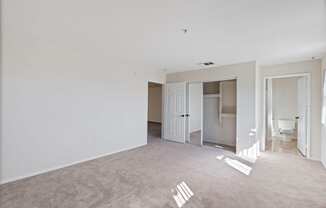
x=219 y=114
x=154 y=114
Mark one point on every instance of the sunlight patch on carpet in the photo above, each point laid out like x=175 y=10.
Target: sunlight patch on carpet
x=181 y=194
x=243 y=168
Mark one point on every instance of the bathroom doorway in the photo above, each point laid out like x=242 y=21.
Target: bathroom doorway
x=287 y=114
x=154 y=113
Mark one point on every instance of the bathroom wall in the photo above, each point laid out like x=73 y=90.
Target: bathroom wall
x=284 y=100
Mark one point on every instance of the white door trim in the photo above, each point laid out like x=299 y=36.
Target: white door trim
x=264 y=135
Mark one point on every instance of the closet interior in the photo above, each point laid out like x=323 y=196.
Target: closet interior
x=219 y=114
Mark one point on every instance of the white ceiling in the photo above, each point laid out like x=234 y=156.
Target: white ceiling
x=221 y=31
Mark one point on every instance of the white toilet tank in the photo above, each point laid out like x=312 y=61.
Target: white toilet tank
x=286 y=124
x=286 y=129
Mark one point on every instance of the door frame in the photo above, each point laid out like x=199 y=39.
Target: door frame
x=308 y=130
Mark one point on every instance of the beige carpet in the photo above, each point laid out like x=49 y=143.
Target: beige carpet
x=164 y=174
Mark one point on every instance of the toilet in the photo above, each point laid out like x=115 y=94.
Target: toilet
x=286 y=129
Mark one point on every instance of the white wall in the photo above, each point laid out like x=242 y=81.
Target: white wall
x=312 y=67
x=64 y=99
x=323 y=131
x=195 y=106
x=284 y=99
x=245 y=74
x=155 y=104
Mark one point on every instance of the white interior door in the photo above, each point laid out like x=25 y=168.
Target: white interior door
x=302 y=116
x=175 y=112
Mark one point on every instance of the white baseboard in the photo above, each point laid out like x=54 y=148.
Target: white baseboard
x=151 y=121
x=314 y=159
x=67 y=165
x=323 y=162
x=217 y=141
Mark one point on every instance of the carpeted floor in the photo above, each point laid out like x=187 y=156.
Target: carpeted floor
x=166 y=174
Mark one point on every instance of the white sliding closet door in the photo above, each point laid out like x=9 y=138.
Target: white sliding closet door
x=175 y=112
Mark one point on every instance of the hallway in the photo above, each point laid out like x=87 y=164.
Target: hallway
x=153 y=131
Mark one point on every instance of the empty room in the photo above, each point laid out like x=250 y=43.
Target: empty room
x=161 y=103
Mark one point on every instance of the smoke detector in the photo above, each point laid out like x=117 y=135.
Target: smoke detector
x=185 y=30
x=209 y=63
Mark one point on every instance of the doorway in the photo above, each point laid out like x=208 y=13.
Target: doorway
x=287 y=114
x=154 y=114
x=183 y=112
